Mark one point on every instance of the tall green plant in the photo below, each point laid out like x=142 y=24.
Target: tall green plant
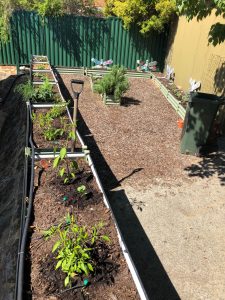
x=114 y=83
x=67 y=168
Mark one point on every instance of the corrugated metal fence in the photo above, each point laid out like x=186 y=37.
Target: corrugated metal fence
x=71 y=41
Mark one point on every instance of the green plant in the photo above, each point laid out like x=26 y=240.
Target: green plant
x=46 y=123
x=147 y=15
x=42 y=92
x=26 y=90
x=75 y=246
x=82 y=190
x=67 y=169
x=41 y=67
x=52 y=133
x=45 y=92
x=114 y=83
x=40 y=76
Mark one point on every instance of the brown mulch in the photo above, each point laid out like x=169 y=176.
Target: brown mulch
x=139 y=140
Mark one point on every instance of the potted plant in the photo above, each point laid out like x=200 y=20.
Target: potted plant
x=112 y=85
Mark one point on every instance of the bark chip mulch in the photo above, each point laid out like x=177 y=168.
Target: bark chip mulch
x=140 y=139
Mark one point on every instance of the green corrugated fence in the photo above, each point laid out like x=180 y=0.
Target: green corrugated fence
x=71 y=41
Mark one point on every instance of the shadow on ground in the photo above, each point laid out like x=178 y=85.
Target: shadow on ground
x=212 y=164
x=127 y=101
x=154 y=278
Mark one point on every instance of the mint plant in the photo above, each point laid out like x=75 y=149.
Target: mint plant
x=74 y=247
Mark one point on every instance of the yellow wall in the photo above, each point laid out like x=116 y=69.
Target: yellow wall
x=191 y=56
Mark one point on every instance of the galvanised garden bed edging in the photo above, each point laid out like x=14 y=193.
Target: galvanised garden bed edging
x=176 y=104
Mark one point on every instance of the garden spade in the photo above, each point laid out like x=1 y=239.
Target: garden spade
x=77 y=88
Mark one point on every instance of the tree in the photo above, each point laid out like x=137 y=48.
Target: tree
x=43 y=8
x=201 y=9
x=147 y=14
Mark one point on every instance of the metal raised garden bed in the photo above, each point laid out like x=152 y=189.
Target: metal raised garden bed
x=33 y=155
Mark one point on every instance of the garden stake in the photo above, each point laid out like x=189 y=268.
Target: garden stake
x=76 y=95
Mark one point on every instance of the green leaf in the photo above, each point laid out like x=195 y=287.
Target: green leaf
x=84 y=268
x=66 y=180
x=72 y=135
x=67 y=280
x=106 y=238
x=61 y=172
x=90 y=267
x=81 y=189
x=63 y=153
x=56 y=246
x=56 y=162
x=68 y=219
x=59 y=263
x=72 y=175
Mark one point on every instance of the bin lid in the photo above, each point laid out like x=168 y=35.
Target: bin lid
x=204 y=97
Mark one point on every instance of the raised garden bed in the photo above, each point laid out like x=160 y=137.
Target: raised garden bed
x=111 y=277
x=164 y=85
x=69 y=199
x=40 y=76
x=39 y=59
x=110 y=99
x=40 y=66
x=51 y=128
x=82 y=199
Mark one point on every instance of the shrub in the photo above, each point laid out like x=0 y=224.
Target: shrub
x=114 y=83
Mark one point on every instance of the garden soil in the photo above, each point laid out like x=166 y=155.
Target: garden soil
x=170 y=207
x=12 y=143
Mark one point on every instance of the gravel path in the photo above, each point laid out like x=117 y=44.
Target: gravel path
x=169 y=206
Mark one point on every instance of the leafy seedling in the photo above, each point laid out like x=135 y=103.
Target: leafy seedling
x=67 y=169
x=82 y=190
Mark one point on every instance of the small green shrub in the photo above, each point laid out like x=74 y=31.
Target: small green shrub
x=26 y=90
x=75 y=246
x=40 y=93
x=45 y=92
x=114 y=83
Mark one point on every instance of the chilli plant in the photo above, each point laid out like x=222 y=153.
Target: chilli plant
x=74 y=247
x=67 y=168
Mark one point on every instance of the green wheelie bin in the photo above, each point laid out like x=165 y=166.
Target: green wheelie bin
x=200 y=115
